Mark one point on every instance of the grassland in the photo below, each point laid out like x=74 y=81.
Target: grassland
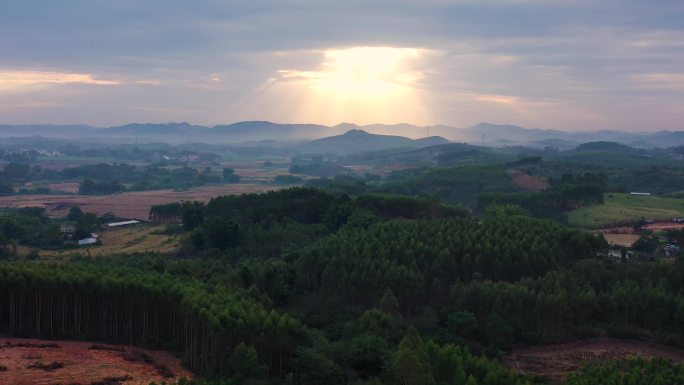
x=624 y=208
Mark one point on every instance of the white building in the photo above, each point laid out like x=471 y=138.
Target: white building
x=87 y=241
x=124 y=223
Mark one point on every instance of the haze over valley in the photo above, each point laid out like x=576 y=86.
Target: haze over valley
x=299 y=192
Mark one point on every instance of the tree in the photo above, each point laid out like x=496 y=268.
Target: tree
x=87 y=187
x=499 y=331
x=462 y=323
x=52 y=235
x=410 y=364
x=389 y=303
x=230 y=176
x=221 y=233
x=193 y=214
x=75 y=214
x=6 y=188
x=244 y=364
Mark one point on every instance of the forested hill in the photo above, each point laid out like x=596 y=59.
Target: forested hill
x=303 y=287
x=355 y=141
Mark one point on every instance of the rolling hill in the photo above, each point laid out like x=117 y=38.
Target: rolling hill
x=355 y=141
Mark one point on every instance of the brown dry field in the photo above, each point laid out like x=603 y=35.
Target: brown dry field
x=81 y=364
x=626 y=240
x=528 y=182
x=68 y=187
x=127 y=205
x=556 y=361
x=656 y=226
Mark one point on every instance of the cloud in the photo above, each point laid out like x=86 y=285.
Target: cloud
x=13 y=80
x=551 y=63
x=660 y=80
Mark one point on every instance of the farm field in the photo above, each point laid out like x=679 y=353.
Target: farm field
x=625 y=208
x=128 y=240
x=557 y=361
x=255 y=172
x=84 y=363
x=127 y=205
x=626 y=240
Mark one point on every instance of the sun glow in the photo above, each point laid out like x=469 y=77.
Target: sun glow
x=360 y=84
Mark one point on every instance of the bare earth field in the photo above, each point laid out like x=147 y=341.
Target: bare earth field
x=528 y=182
x=626 y=240
x=128 y=205
x=556 y=361
x=84 y=363
x=655 y=226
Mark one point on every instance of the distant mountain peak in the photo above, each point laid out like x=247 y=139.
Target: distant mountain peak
x=346 y=125
x=356 y=132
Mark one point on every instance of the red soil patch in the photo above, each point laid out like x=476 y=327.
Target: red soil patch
x=83 y=363
x=528 y=182
x=556 y=361
x=664 y=226
x=128 y=205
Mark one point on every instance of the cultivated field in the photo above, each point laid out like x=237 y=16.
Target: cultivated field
x=556 y=361
x=127 y=205
x=257 y=172
x=67 y=187
x=625 y=208
x=38 y=362
x=128 y=240
x=626 y=240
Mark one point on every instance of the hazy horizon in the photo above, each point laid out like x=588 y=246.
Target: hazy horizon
x=554 y=64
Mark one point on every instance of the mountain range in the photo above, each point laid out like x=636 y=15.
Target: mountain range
x=298 y=135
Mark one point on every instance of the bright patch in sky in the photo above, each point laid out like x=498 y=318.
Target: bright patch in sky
x=362 y=72
x=371 y=84
x=10 y=80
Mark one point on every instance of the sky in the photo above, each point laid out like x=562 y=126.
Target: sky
x=553 y=64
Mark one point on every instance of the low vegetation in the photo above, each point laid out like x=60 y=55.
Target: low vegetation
x=374 y=273
x=626 y=209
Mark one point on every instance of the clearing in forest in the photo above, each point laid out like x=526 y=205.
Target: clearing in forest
x=528 y=182
x=625 y=240
x=39 y=362
x=625 y=208
x=557 y=361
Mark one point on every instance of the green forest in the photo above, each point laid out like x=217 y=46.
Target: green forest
x=300 y=286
